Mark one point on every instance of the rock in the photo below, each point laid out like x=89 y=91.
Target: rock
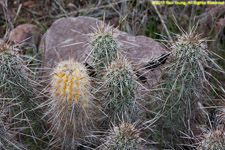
x=210 y=14
x=7 y=15
x=29 y=4
x=220 y=24
x=113 y=21
x=66 y=38
x=25 y=34
x=206 y=20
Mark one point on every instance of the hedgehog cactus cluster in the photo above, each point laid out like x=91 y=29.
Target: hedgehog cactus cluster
x=70 y=107
x=185 y=82
x=123 y=137
x=81 y=104
x=120 y=87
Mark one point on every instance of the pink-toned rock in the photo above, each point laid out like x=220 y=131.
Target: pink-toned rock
x=220 y=24
x=66 y=39
x=113 y=22
x=206 y=20
x=211 y=13
x=6 y=14
x=25 y=34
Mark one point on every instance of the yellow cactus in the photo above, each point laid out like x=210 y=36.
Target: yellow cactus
x=70 y=106
x=70 y=82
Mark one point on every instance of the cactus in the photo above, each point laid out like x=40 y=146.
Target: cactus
x=221 y=115
x=189 y=55
x=70 y=106
x=104 y=46
x=8 y=127
x=120 y=100
x=14 y=78
x=123 y=137
x=185 y=82
x=18 y=85
x=213 y=139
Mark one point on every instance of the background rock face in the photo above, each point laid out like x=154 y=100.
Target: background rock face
x=67 y=38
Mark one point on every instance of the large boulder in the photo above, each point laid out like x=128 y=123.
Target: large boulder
x=67 y=38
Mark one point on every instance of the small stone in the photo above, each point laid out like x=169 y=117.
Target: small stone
x=29 y=4
x=25 y=34
x=7 y=15
x=220 y=24
x=113 y=22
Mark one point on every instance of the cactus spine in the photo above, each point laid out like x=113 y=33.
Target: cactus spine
x=70 y=105
x=221 y=115
x=18 y=86
x=123 y=137
x=14 y=76
x=8 y=127
x=71 y=83
x=121 y=91
x=184 y=83
x=104 y=46
x=213 y=139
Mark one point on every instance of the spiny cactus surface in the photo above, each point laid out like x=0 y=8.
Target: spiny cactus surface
x=120 y=99
x=8 y=129
x=221 y=115
x=14 y=76
x=189 y=56
x=213 y=139
x=186 y=81
x=70 y=105
x=123 y=137
x=18 y=85
x=71 y=83
x=104 y=46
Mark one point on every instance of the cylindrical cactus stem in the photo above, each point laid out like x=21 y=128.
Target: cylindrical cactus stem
x=17 y=83
x=189 y=55
x=15 y=77
x=186 y=79
x=120 y=91
x=185 y=82
x=125 y=136
x=70 y=106
x=104 y=46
